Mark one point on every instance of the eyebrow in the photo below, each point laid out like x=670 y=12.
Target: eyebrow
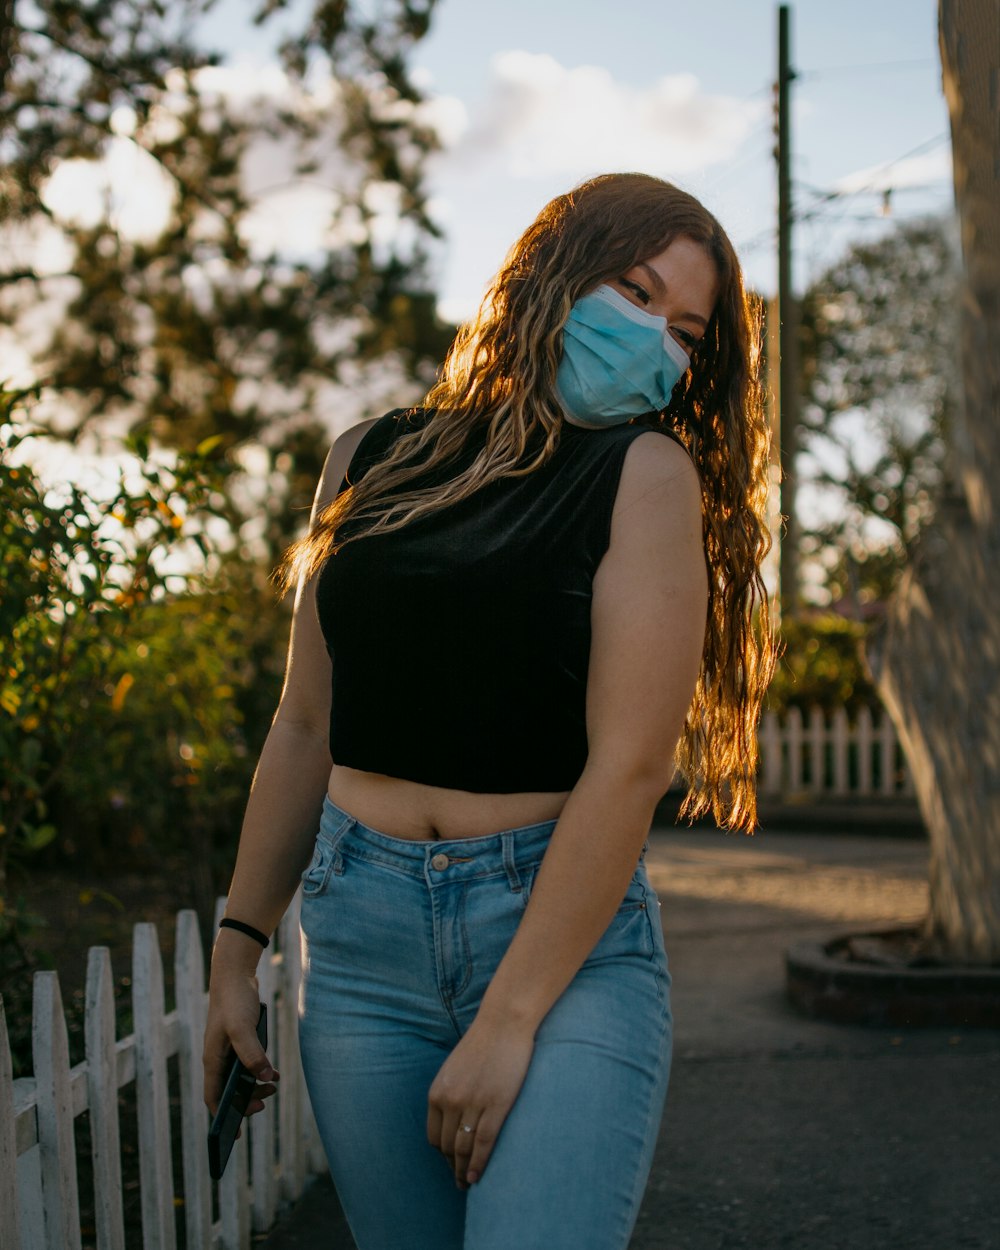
x=661 y=289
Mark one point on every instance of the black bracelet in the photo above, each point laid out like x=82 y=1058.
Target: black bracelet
x=248 y=929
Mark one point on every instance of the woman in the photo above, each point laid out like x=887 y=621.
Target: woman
x=538 y=593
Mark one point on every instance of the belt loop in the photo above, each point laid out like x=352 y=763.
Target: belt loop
x=510 y=867
x=335 y=839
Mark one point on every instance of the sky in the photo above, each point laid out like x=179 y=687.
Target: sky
x=532 y=97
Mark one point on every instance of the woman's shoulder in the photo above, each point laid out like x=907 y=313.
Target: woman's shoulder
x=368 y=441
x=653 y=458
x=664 y=445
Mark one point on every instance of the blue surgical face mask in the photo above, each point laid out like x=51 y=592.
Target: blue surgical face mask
x=618 y=361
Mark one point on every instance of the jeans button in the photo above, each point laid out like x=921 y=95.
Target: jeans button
x=440 y=862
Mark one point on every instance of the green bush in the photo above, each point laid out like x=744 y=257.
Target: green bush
x=180 y=720
x=78 y=573
x=822 y=665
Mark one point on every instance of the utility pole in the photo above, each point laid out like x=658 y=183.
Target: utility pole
x=6 y=38
x=788 y=336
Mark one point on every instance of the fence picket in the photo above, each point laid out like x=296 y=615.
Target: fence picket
x=887 y=756
x=794 y=736
x=817 y=750
x=289 y=1061
x=9 y=1239
x=234 y=1204
x=864 y=737
x=841 y=751
x=30 y=1200
x=189 y=982
x=770 y=745
x=50 y=1055
x=102 y=1099
x=262 y=1136
x=234 y=1200
x=155 y=1164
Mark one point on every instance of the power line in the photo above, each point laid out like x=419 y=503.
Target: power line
x=830 y=71
x=870 y=187
x=758 y=240
x=753 y=151
x=832 y=202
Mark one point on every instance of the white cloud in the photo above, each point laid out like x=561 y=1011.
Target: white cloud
x=539 y=128
x=541 y=118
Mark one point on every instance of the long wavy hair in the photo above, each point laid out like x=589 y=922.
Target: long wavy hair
x=497 y=386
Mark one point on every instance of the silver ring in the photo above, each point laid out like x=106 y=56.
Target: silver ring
x=467 y=1129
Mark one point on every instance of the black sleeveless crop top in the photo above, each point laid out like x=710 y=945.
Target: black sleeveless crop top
x=460 y=643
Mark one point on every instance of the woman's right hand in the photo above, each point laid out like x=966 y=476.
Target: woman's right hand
x=233 y=1011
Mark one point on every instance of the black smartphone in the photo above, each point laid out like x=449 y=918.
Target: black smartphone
x=237 y=1092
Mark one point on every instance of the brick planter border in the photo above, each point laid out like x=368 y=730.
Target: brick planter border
x=819 y=984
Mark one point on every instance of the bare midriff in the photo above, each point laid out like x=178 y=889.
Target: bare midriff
x=421 y=813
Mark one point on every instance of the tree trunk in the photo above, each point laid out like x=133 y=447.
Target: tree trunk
x=937 y=656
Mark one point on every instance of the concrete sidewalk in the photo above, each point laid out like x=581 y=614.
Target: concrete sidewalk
x=780 y=1131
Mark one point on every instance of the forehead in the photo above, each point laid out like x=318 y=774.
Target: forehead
x=686 y=269
x=684 y=258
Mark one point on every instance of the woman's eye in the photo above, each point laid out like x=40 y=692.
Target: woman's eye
x=686 y=337
x=638 y=291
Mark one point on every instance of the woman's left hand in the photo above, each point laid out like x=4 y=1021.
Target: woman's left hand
x=476 y=1088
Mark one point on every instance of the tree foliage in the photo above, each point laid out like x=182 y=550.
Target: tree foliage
x=203 y=324
x=879 y=345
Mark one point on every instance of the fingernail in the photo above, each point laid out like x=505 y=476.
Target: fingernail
x=269 y=1074
x=473 y=1177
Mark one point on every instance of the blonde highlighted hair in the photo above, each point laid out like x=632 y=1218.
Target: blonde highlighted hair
x=498 y=385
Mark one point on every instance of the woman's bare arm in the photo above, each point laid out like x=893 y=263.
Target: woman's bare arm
x=282 y=814
x=649 y=614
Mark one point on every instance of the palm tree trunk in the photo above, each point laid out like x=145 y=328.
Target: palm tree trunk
x=937 y=656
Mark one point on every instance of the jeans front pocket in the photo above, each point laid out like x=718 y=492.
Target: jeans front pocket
x=317 y=875
x=636 y=896
x=629 y=933
x=527 y=876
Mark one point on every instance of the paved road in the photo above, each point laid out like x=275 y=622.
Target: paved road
x=784 y=1133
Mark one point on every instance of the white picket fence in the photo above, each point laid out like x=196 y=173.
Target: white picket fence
x=39 y=1198
x=802 y=756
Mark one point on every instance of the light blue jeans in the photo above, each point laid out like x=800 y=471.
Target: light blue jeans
x=400 y=940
